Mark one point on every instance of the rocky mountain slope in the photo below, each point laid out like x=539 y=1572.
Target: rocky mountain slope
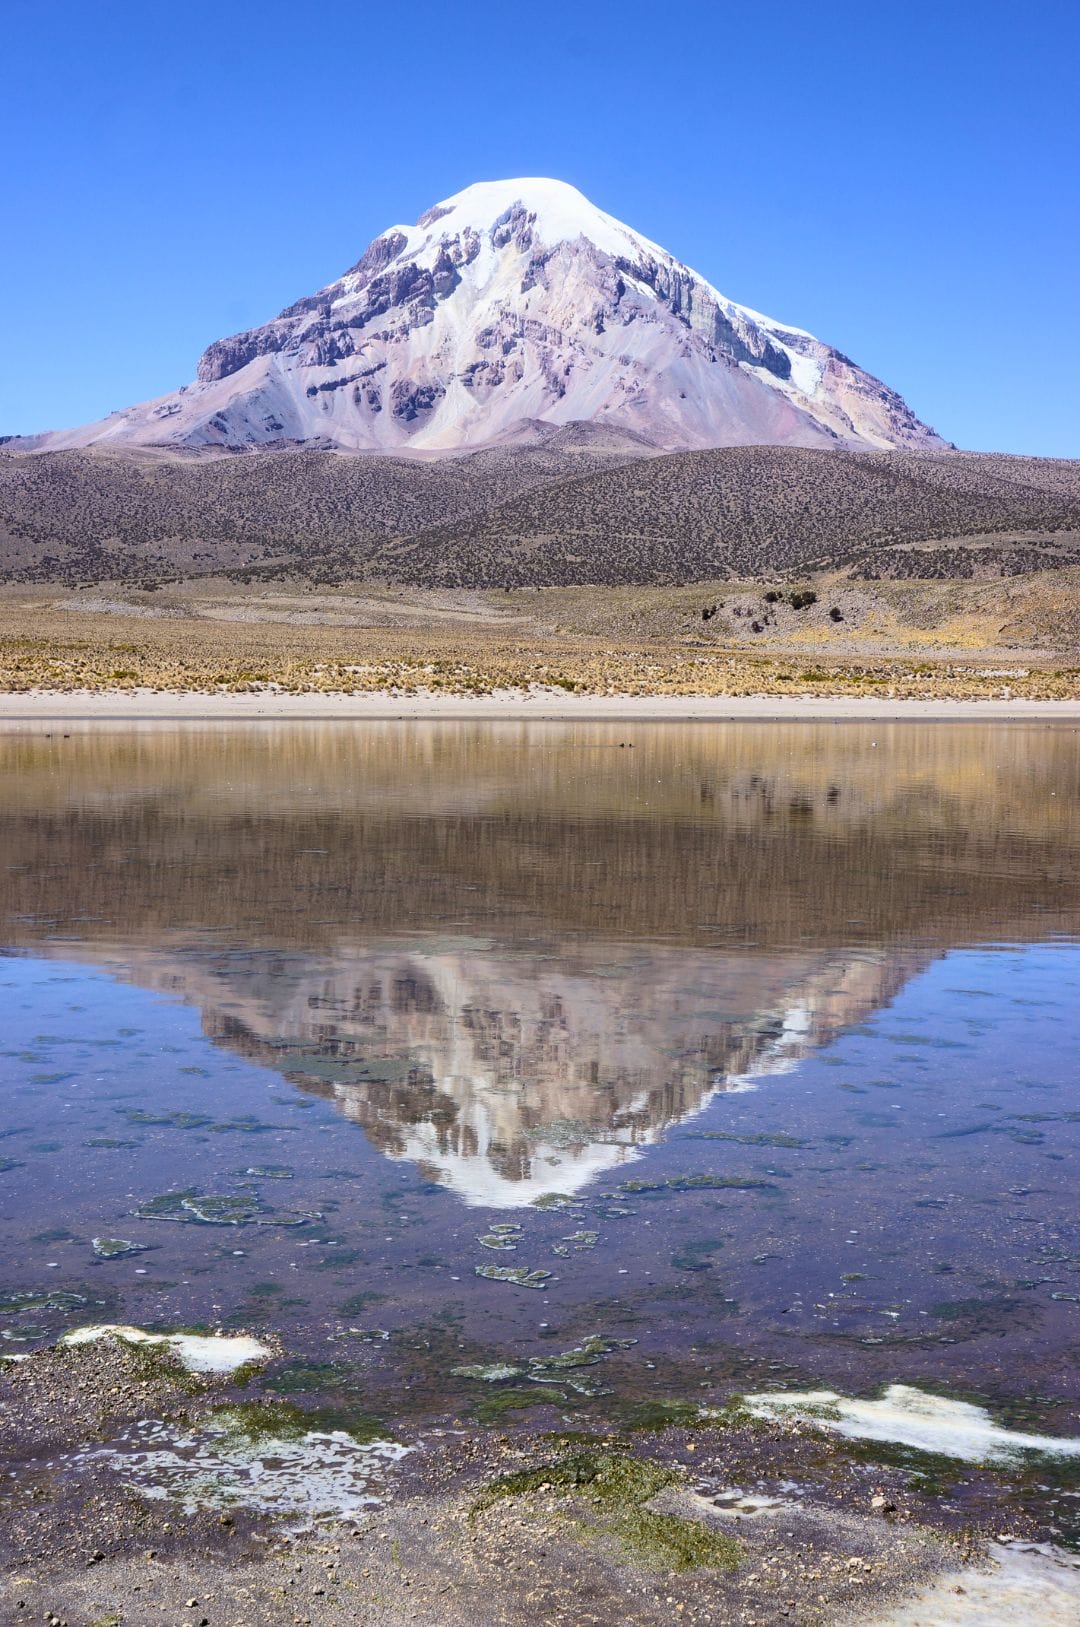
x=510 y=306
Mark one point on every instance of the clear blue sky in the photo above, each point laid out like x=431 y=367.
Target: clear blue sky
x=899 y=177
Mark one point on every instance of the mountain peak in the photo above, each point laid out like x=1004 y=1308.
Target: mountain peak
x=562 y=213
x=517 y=302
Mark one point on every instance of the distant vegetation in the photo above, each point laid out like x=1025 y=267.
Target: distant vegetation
x=527 y=516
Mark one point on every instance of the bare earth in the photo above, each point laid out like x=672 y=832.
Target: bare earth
x=148 y=706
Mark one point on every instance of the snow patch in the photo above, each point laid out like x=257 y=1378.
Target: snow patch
x=564 y=215
x=911 y=1417
x=806 y=373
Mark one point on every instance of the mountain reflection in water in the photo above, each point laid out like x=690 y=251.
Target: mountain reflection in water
x=509 y=1077
x=515 y=954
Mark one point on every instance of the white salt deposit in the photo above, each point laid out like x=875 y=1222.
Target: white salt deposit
x=319 y=1475
x=200 y=1353
x=911 y=1417
x=1025 y=1586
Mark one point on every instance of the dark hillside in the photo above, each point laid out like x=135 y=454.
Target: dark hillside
x=552 y=514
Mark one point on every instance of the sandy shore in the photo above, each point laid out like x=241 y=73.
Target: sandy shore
x=147 y=706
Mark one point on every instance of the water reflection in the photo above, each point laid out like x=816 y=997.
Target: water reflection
x=507 y=1076
x=516 y=955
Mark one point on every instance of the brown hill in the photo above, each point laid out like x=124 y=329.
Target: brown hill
x=570 y=510
x=752 y=511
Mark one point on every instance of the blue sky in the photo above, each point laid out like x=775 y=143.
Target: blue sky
x=902 y=179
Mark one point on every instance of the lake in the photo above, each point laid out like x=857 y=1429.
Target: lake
x=747 y=1052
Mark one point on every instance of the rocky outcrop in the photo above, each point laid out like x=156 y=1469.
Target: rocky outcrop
x=227 y=356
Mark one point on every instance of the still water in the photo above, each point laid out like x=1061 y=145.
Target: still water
x=750 y=1052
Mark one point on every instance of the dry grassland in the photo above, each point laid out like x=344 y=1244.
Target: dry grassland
x=585 y=641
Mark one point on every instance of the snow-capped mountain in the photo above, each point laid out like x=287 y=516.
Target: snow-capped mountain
x=510 y=303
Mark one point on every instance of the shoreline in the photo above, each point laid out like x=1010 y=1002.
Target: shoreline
x=648 y=1524
x=191 y=706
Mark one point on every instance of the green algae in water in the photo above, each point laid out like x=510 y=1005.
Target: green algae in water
x=17 y=1301
x=699 y=1183
x=302 y=1377
x=246 y=1126
x=357 y=1304
x=7 y=1164
x=220 y=1209
x=562 y=1368
x=113 y=1248
x=173 y=1121
x=697 y=1255
x=493 y=1373
x=519 y=1275
x=558 y=1200
x=490 y=1409
x=339 y=1399
x=582 y=1239
x=658 y=1412
x=505 y=1235
x=614 y=1490
x=587 y=1354
x=255 y=1422
x=337 y=1259
x=112 y=1144
x=760 y=1139
x=268 y=1172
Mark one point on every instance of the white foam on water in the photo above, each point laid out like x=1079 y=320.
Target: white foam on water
x=199 y=1352
x=911 y=1417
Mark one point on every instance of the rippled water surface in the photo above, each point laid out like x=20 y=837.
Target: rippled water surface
x=753 y=1050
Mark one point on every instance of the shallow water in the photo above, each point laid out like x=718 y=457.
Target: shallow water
x=753 y=1049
